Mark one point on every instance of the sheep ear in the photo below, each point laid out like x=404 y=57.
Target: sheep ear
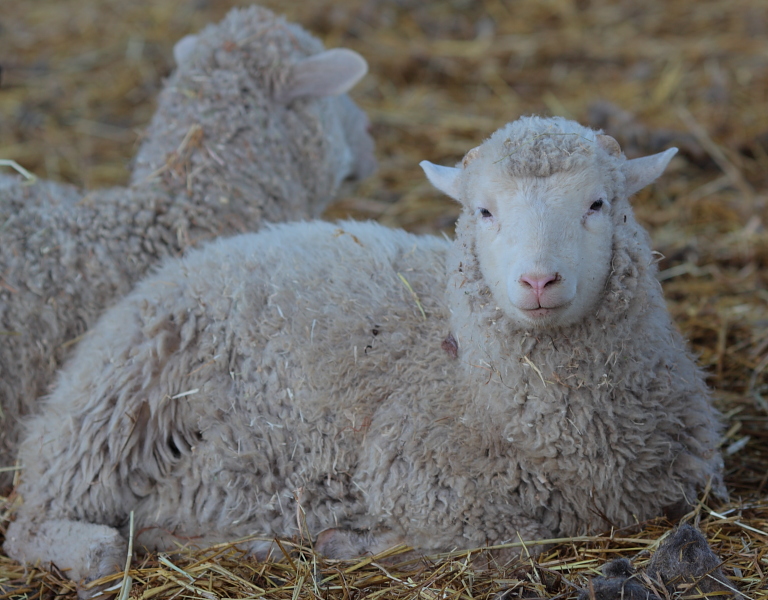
x=610 y=145
x=183 y=49
x=470 y=156
x=329 y=73
x=639 y=172
x=445 y=179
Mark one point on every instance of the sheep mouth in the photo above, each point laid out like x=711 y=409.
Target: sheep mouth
x=542 y=312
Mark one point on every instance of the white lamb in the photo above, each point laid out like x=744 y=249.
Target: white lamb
x=524 y=381
x=253 y=126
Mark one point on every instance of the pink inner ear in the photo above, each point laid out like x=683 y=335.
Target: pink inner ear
x=470 y=156
x=610 y=145
x=329 y=73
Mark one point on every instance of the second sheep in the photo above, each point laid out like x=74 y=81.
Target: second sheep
x=254 y=126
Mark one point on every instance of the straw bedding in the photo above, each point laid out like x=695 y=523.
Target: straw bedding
x=78 y=82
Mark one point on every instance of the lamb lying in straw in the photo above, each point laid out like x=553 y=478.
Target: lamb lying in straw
x=521 y=383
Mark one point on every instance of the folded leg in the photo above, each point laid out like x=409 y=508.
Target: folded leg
x=84 y=551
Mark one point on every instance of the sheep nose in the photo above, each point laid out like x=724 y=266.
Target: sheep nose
x=537 y=282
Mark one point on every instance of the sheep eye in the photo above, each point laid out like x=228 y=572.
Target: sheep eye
x=596 y=205
x=485 y=213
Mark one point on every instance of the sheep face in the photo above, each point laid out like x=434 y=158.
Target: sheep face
x=544 y=244
x=542 y=209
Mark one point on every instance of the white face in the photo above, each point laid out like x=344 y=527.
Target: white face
x=544 y=245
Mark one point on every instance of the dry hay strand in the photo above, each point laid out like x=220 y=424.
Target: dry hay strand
x=737 y=532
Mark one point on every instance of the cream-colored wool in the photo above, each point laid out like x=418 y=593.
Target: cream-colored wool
x=296 y=367
x=254 y=120
x=245 y=132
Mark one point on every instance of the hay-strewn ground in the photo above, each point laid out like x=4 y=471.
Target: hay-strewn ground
x=78 y=82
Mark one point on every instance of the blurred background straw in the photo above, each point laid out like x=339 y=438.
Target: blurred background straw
x=78 y=84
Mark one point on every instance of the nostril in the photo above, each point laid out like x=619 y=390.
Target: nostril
x=538 y=282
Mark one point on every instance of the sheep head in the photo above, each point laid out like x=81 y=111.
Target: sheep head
x=329 y=75
x=543 y=200
x=304 y=72
x=245 y=84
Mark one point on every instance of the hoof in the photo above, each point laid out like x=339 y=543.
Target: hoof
x=347 y=543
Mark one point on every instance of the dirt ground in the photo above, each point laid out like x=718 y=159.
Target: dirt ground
x=79 y=79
